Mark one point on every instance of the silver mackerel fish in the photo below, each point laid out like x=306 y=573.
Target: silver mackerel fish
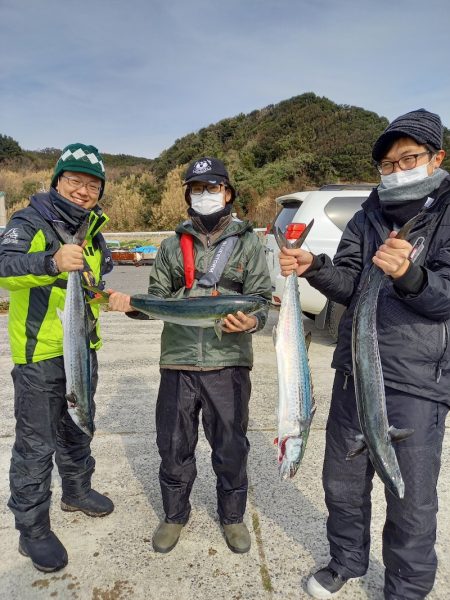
x=76 y=345
x=377 y=436
x=295 y=391
x=200 y=311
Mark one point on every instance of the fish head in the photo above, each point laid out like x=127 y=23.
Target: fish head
x=291 y=451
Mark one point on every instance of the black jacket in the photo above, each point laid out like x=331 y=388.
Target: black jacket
x=413 y=328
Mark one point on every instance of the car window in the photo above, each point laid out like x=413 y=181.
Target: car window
x=342 y=208
x=286 y=214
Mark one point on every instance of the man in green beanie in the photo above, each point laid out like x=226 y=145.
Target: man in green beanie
x=34 y=266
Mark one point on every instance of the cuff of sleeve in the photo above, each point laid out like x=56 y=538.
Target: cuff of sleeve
x=50 y=266
x=316 y=264
x=260 y=323
x=412 y=282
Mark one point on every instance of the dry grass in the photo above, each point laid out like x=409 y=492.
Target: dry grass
x=124 y=200
x=173 y=206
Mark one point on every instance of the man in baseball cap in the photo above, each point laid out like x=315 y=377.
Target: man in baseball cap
x=212 y=253
x=210 y=170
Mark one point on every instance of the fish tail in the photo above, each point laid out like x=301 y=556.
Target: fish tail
x=398 y=435
x=283 y=242
x=358 y=449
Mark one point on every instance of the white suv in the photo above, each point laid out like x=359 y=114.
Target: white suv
x=331 y=207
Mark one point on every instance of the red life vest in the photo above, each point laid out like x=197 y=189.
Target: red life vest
x=187 y=250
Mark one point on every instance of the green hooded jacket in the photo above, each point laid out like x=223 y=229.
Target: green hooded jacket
x=200 y=348
x=35 y=329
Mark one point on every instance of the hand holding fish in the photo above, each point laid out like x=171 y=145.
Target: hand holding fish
x=238 y=322
x=294 y=259
x=393 y=256
x=69 y=258
x=118 y=301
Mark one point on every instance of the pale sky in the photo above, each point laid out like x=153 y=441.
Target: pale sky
x=133 y=76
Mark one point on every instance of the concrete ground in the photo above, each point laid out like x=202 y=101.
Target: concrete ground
x=112 y=558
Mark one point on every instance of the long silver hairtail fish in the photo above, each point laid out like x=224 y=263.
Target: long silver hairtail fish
x=76 y=345
x=295 y=391
x=377 y=436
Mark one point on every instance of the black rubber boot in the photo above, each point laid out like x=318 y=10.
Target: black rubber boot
x=47 y=553
x=93 y=505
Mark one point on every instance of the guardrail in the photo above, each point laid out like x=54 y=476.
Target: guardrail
x=145 y=234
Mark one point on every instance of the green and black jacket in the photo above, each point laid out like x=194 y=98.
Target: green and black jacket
x=193 y=347
x=35 y=329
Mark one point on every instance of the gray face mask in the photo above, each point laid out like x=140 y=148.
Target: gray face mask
x=404 y=177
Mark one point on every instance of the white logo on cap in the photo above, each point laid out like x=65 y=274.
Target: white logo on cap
x=202 y=166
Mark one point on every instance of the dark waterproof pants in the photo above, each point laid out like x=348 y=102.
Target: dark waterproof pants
x=44 y=427
x=409 y=532
x=223 y=396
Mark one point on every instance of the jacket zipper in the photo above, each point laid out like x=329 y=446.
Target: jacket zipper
x=438 y=366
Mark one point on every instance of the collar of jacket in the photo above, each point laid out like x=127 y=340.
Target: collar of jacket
x=44 y=205
x=233 y=227
x=372 y=208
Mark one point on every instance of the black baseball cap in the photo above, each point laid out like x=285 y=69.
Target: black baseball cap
x=210 y=170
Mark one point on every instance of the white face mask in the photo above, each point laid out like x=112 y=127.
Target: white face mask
x=206 y=203
x=402 y=177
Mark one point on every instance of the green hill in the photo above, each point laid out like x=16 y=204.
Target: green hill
x=300 y=143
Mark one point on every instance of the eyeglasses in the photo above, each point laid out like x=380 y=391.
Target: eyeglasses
x=386 y=167
x=198 y=188
x=76 y=184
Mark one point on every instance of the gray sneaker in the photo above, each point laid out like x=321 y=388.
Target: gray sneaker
x=325 y=583
x=166 y=536
x=237 y=537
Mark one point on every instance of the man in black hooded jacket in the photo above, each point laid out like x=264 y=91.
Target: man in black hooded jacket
x=413 y=336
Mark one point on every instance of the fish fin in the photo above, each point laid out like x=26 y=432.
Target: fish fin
x=282 y=241
x=99 y=296
x=299 y=242
x=60 y=314
x=280 y=238
x=87 y=279
x=80 y=235
x=71 y=400
x=358 y=449
x=308 y=340
x=274 y=335
x=62 y=233
x=403 y=233
x=398 y=435
x=97 y=300
x=218 y=329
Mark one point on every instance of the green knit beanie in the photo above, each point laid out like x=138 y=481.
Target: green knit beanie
x=80 y=159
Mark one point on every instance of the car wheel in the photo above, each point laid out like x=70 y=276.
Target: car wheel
x=334 y=314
